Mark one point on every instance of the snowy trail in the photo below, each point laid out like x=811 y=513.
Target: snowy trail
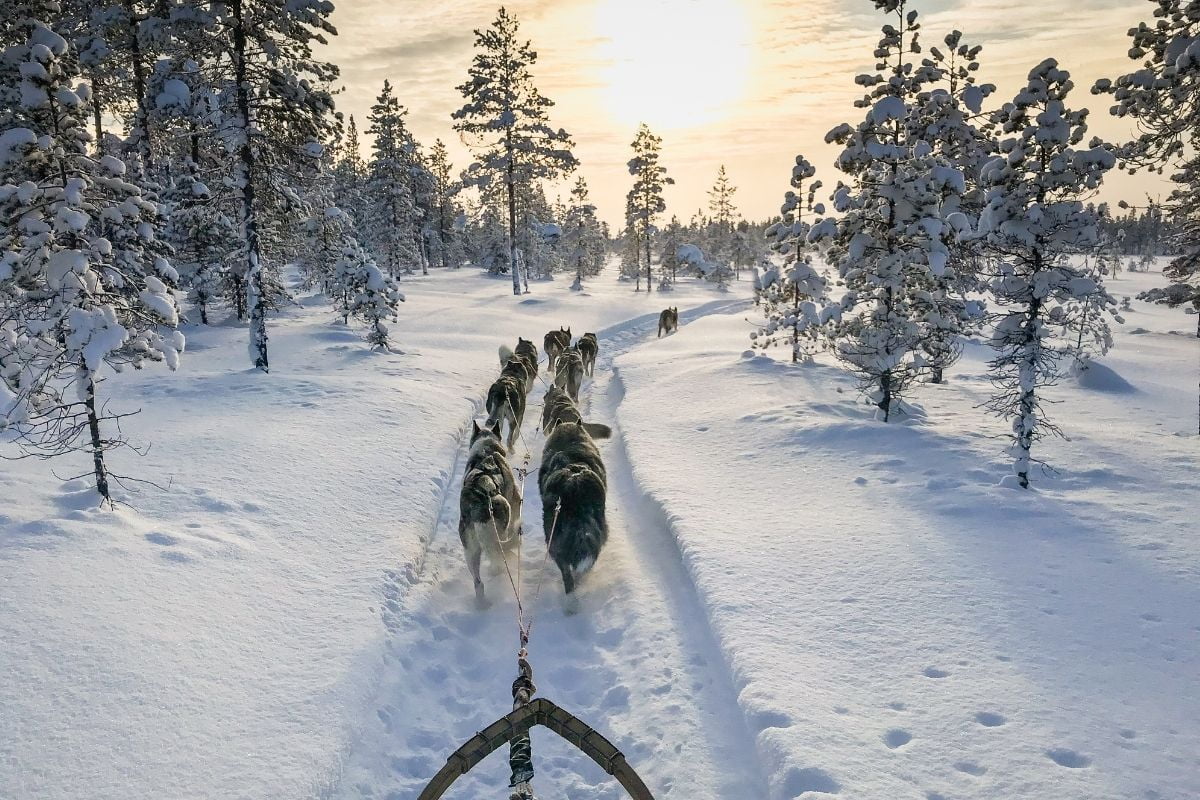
x=638 y=662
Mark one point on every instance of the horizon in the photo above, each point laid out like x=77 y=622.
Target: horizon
x=765 y=100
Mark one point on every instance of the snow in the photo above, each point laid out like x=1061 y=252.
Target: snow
x=795 y=599
x=917 y=629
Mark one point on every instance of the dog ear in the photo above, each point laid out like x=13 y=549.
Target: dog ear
x=477 y=429
x=496 y=427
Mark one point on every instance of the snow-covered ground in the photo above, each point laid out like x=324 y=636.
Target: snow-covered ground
x=899 y=625
x=795 y=599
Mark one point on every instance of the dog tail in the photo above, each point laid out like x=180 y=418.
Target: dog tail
x=597 y=430
x=506 y=353
x=498 y=412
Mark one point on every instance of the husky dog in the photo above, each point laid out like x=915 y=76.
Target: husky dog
x=518 y=370
x=557 y=408
x=568 y=372
x=588 y=347
x=528 y=353
x=506 y=402
x=554 y=343
x=668 y=320
x=490 y=504
x=573 y=485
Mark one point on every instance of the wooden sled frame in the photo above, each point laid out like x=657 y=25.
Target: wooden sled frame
x=537 y=712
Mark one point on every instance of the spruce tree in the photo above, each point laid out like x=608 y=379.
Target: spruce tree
x=645 y=199
x=1033 y=221
x=84 y=282
x=506 y=120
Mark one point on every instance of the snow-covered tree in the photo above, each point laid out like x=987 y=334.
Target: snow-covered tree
x=350 y=177
x=203 y=237
x=281 y=113
x=84 y=283
x=506 y=120
x=645 y=199
x=391 y=226
x=1163 y=96
x=1033 y=221
x=583 y=243
x=891 y=246
x=792 y=294
x=723 y=215
x=360 y=288
x=447 y=249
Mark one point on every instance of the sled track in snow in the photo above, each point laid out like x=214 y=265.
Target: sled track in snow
x=639 y=661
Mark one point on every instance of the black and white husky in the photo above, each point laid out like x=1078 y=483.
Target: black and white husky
x=568 y=372
x=573 y=485
x=527 y=353
x=489 y=506
x=506 y=403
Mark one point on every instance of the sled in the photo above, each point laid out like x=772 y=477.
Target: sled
x=539 y=711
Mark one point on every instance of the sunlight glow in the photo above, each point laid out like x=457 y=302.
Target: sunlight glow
x=673 y=63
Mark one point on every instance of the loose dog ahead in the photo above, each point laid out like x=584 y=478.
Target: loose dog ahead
x=489 y=505
x=668 y=320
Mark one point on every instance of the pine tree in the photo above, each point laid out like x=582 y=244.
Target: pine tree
x=84 y=282
x=447 y=249
x=645 y=199
x=280 y=116
x=723 y=214
x=350 y=176
x=892 y=242
x=202 y=236
x=1033 y=221
x=507 y=120
x=793 y=295
x=392 y=227
x=583 y=242
x=1164 y=97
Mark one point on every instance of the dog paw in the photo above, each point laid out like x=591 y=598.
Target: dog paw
x=571 y=605
x=482 y=602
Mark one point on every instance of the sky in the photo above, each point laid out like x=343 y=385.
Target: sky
x=745 y=83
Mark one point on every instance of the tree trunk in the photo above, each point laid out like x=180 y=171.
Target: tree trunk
x=203 y=312
x=512 y=216
x=255 y=296
x=141 y=121
x=97 y=116
x=99 y=471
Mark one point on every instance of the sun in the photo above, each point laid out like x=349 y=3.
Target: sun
x=673 y=63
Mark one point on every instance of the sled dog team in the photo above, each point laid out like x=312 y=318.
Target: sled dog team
x=572 y=480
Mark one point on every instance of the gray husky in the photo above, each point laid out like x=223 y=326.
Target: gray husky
x=568 y=372
x=554 y=343
x=506 y=403
x=489 y=518
x=528 y=354
x=668 y=320
x=588 y=348
x=557 y=408
x=573 y=485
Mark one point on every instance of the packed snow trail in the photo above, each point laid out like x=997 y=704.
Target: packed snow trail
x=638 y=662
